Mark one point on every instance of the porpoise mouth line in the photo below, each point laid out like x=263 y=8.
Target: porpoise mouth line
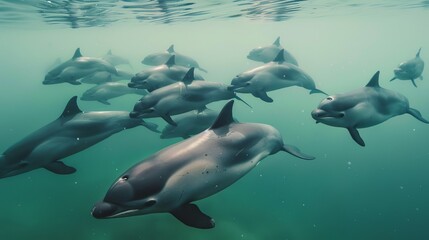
x=329 y=115
x=123 y=213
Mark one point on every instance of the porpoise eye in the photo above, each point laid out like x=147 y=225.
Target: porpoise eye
x=125 y=178
x=329 y=98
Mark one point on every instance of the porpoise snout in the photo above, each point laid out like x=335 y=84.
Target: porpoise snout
x=132 y=85
x=103 y=210
x=317 y=114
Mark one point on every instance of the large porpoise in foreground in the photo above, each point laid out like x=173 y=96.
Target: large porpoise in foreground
x=76 y=68
x=161 y=76
x=196 y=168
x=267 y=53
x=362 y=108
x=410 y=70
x=72 y=132
x=272 y=76
x=156 y=59
x=181 y=97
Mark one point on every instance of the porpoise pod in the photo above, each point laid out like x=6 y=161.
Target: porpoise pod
x=76 y=68
x=106 y=91
x=410 y=70
x=272 y=76
x=181 y=97
x=362 y=108
x=267 y=53
x=172 y=179
x=72 y=132
x=190 y=123
x=161 y=76
x=156 y=59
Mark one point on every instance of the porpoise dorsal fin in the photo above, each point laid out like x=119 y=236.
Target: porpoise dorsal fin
x=77 y=54
x=374 y=80
x=225 y=116
x=171 y=61
x=189 y=76
x=418 y=53
x=71 y=108
x=109 y=52
x=277 y=42
x=171 y=49
x=280 y=56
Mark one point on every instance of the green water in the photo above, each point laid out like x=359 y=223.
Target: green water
x=349 y=192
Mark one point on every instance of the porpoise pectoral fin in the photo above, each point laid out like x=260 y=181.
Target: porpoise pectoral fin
x=393 y=79
x=192 y=216
x=104 y=102
x=151 y=126
x=414 y=83
x=355 y=135
x=71 y=108
x=168 y=119
x=263 y=96
x=317 y=91
x=225 y=116
x=296 y=152
x=415 y=113
x=60 y=168
x=240 y=99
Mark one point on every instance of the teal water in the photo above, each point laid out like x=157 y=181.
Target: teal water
x=349 y=192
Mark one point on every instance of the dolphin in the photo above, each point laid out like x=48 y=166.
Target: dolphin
x=181 y=97
x=72 y=132
x=161 y=76
x=104 y=77
x=156 y=59
x=272 y=76
x=190 y=123
x=193 y=169
x=267 y=53
x=109 y=90
x=362 y=108
x=410 y=70
x=76 y=68
x=115 y=59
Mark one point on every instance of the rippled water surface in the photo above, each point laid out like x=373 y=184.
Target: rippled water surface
x=348 y=192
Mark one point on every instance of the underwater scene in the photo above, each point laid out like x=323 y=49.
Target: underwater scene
x=182 y=119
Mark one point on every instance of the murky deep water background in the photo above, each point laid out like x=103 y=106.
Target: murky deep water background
x=349 y=192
